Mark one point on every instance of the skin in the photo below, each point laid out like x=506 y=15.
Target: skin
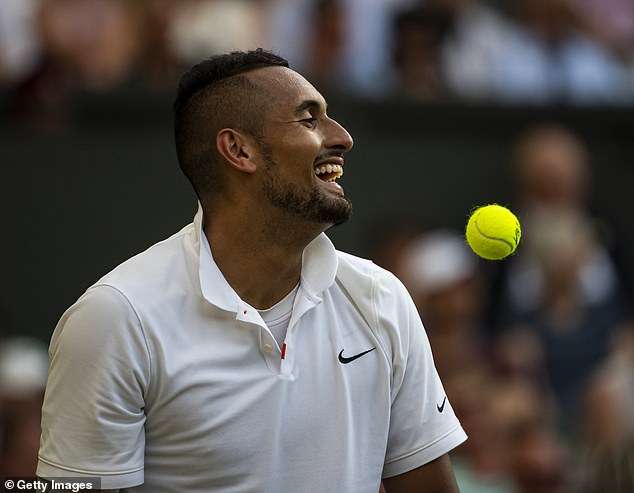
x=434 y=477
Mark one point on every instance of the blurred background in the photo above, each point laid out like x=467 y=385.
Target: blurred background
x=452 y=104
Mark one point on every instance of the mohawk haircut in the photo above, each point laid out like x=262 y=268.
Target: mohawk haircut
x=212 y=95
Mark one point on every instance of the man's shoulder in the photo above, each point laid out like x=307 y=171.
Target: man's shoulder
x=360 y=269
x=152 y=271
x=378 y=295
x=372 y=287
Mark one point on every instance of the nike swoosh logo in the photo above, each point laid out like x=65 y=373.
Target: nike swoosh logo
x=442 y=406
x=345 y=360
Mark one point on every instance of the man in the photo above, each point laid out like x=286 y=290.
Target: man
x=245 y=353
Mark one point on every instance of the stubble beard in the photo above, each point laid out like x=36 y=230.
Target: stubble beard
x=312 y=205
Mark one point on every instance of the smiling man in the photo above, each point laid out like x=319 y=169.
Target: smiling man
x=245 y=353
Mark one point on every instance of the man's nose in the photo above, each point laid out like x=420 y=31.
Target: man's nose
x=339 y=137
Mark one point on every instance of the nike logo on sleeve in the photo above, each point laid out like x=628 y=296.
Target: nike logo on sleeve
x=441 y=408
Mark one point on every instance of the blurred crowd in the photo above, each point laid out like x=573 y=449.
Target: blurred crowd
x=527 y=51
x=536 y=352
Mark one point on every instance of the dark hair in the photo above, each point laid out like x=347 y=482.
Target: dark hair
x=212 y=95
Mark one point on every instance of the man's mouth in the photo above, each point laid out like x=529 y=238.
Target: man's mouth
x=329 y=172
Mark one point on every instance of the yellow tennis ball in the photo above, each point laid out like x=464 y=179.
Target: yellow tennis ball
x=493 y=232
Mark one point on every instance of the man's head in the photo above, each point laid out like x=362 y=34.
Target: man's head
x=551 y=166
x=251 y=132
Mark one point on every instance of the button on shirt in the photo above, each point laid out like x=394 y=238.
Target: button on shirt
x=162 y=379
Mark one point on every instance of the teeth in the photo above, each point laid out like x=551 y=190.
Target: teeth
x=330 y=168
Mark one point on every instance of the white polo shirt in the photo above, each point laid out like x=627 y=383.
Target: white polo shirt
x=162 y=379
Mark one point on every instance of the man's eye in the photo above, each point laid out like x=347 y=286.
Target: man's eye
x=311 y=122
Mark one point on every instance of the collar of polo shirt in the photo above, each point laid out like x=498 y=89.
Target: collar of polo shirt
x=319 y=267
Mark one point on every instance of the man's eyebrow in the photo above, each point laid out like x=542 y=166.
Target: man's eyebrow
x=308 y=104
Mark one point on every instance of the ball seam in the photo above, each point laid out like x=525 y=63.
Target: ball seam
x=511 y=248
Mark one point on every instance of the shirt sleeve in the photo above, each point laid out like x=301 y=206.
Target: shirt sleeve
x=423 y=425
x=93 y=413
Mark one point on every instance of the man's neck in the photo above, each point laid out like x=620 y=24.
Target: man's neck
x=261 y=260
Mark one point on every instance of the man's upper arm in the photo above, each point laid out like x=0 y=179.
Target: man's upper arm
x=423 y=426
x=93 y=413
x=434 y=477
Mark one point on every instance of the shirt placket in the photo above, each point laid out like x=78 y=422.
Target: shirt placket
x=303 y=303
x=272 y=353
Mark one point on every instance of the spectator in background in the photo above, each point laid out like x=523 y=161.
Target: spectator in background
x=202 y=28
x=543 y=55
x=102 y=46
x=18 y=40
x=326 y=43
x=512 y=444
x=95 y=41
x=535 y=458
x=363 y=64
x=608 y=435
x=159 y=61
x=429 y=49
x=473 y=47
x=481 y=464
x=548 y=58
x=419 y=34
x=609 y=400
x=290 y=26
x=390 y=240
x=552 y=169
x=23 y=371
x=611 y=471
x=562 y=288
x=86 y=45
x=612 y=21
x=440 y=274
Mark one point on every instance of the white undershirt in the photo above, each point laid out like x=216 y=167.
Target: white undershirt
x=278 y=316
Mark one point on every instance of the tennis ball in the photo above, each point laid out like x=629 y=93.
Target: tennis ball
x=493 y=232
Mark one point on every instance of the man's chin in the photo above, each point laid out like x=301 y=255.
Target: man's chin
x=337 y=211
x=318 y=206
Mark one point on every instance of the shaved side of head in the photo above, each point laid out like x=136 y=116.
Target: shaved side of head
x=215 y=94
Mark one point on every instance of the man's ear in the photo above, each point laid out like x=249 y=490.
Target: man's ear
x=237 y=149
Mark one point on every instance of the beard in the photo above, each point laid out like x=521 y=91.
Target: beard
x=312 y=204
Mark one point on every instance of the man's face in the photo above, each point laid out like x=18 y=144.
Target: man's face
x=302 y=151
